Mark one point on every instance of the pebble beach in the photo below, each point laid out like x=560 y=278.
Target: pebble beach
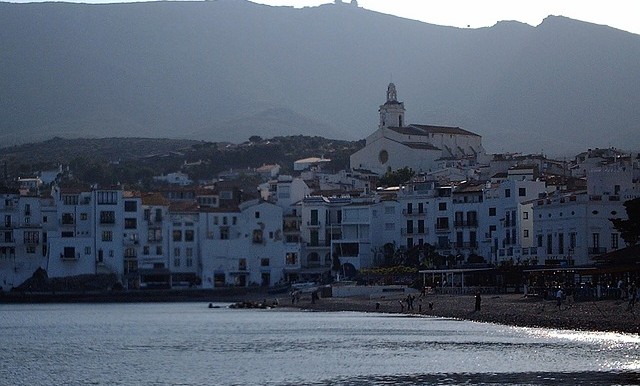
x=507 y=309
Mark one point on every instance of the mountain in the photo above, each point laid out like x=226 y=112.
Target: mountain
x=228 y=69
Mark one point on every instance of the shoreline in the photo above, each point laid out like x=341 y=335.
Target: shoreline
x=506 y=309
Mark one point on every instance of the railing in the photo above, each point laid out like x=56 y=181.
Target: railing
x=319 y=244
x=416 y=213
x=70 y=257
x=414 y=231
x=466 y=244
x=462 y=223
x=597 y=250
x=313 y=223
x=442 y=228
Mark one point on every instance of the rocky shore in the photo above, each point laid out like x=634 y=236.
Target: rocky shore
x=508 y=309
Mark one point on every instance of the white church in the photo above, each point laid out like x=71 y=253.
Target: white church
x=423 y=148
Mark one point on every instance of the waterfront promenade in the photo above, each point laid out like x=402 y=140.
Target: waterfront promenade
x=508 y=309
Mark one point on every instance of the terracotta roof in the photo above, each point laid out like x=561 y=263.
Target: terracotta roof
x=183 y=206
x=429 y=129
x=420 y=145
x=154 y=199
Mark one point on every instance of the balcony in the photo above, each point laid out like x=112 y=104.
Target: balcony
x=319 y=244
x=74 y=256
x=597 y=250
x=466 y=245
x=442 y=228
x=414 y=231
x=466 y=224
x=414 y=213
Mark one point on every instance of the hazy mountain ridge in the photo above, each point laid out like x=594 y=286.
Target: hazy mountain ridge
x=215 y=70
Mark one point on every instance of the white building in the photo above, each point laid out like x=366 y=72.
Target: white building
x=420 y=147
x=574 y=227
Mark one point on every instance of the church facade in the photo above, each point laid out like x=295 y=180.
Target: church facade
x=423 y=148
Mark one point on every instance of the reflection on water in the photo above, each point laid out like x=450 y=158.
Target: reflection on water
x=189 y=344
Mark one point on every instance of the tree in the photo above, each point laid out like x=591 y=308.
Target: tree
x=398 y=177
x=629 y=229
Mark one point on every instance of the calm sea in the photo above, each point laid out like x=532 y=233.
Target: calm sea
x=190 y=344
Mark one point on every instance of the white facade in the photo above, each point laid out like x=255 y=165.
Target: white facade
x=420 y=147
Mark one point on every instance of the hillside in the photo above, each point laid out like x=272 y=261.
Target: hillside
x=228 y=69
x=136 y=160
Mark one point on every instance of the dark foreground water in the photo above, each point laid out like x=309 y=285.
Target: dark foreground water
x=190 y=344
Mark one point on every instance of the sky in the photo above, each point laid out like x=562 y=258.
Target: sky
x=621 y=14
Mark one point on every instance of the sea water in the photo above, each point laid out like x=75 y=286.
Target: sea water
x=191 y=344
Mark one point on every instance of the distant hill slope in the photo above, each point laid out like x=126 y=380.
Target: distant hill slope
x=223 y=70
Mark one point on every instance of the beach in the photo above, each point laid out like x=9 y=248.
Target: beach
x=507 y=309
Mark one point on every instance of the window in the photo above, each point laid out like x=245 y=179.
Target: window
x=107 y=236
x=67 y=219
x=561 y=243
x=176 y=252
x=224 y=233
x=145 y=250
x=492 y=212
x=154 y=235
x=507 y=193
x=595 y=237
x=147 y=214
x=549 y=244
x=177 y=235
x=107 y=198
x=257 y=214
x=158 y=215
x=107 y=217
x=264 y=262
x=87 y=250
x=69 y=199
x=66 y=234
x=540 y=241
x=130 y=223
x=525 y=215
x=291 y=258
x=614 y=241
x=522 y=192
x=159 y=250
x=189 y=252
x=224 y=220
x=189 y=262
x=130 y=206
x=442 y=223
x=31 y=249
x=442 y=206
x=525 y=234
x=234 y=220
x=176 y=262
x=189 y=235
x=31 y=237
x=215 y=220
x=572 y=240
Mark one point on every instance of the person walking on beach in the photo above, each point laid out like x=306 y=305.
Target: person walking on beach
x=401 y=305
x=633 y=295
x=478 y=301
x=559 y=298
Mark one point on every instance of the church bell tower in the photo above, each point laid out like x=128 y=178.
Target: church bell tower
x=392 y=112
